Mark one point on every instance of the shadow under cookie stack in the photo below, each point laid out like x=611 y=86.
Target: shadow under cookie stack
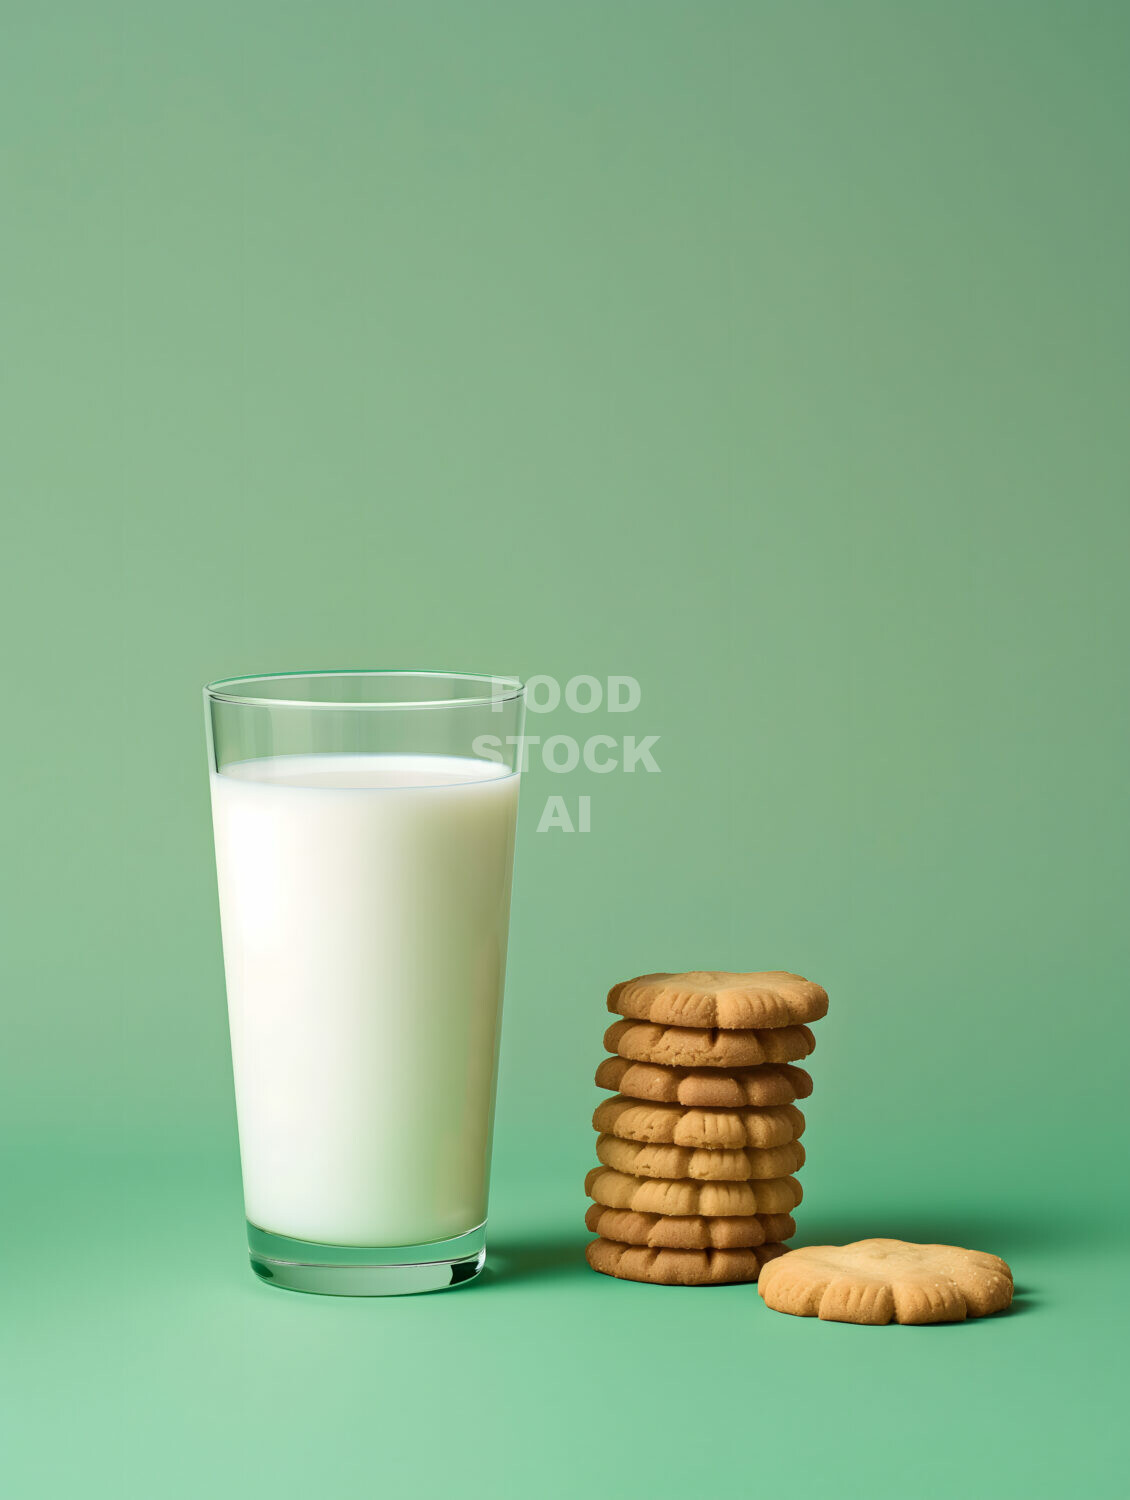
x=700 y=1145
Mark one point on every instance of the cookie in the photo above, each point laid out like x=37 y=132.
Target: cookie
x=716 y=998
x=710 y=1088
x=880 y=1281
x=653 y=1195
x=712 y=1129
x=679 y=1267
x=705 y=1166
x=706 y=1047
x=690 y=1231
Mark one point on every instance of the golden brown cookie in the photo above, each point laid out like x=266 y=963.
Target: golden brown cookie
x=712 y=1129
x=706 y=1047
x=710 y=1088
x=679 y=1267
x=880 y=1281
x=653 y=1195
x=689 y=1232
x=717 y=998
x=705 y=1166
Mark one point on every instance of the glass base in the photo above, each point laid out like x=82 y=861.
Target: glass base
x=360 y=1271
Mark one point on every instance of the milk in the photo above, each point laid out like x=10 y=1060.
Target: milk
x=364 y=901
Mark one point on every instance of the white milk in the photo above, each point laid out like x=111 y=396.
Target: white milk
x=364 y=901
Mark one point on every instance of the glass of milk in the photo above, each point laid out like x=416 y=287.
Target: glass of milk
x=364 y=826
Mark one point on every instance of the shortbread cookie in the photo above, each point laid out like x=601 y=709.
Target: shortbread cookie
x=654 y=1195
x=713 y=1129
x=880 y=1281
x=689 y=1232
x=706 y=1047
x=705 y=1166
x=679 y=1267
x=711 y=1088
x=715 y=998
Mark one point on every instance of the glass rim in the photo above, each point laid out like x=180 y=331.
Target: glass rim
x=226 y=689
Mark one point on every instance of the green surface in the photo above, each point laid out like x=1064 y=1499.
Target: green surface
x=155 y=1364
x=775 y=355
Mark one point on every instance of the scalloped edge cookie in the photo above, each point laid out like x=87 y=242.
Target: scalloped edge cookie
x=704 y=997
x=710 y=1088
x=889 y=1281
x=689 y=1231
x=706 y=1047
x=700 y=1129
x=704 y=1166
x=679 y=1267
x=656 y=1195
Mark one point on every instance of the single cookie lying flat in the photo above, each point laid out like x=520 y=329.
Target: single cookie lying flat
x=712 y=1088
x=717 y=998
x=679 y=1267
x=654 y=1195
x=705 y=1047
x=880 y=1281
x=708 y=1128
x=690 y=1231
x=707 y=1166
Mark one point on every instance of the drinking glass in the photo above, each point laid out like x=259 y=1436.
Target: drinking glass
x=364 y=826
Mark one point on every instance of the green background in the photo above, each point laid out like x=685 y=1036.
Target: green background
x=773 y=354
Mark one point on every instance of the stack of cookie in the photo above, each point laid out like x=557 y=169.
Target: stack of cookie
x=700 y=1144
